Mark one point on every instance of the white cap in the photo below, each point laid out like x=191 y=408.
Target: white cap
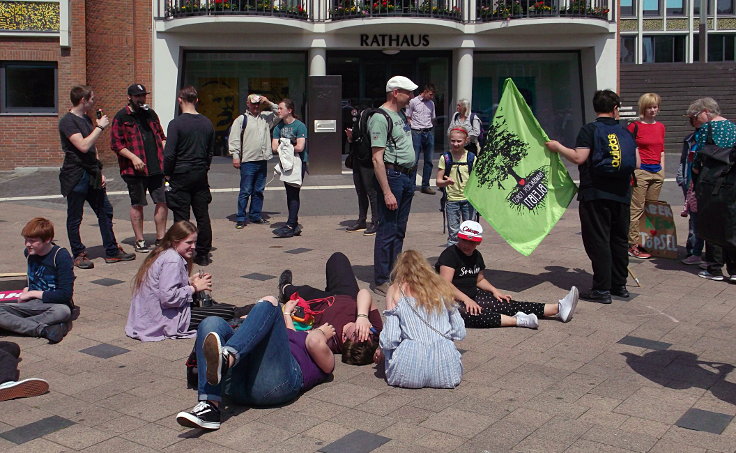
x=471 y=231
x=401 y=83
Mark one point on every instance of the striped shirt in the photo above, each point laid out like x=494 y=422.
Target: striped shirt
x=416 y=355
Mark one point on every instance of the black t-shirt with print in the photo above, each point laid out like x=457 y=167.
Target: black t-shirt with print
x=466 y=268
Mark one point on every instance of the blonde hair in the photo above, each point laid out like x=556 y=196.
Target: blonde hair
x=647 y=100
x=459 y=129
x=430 y=290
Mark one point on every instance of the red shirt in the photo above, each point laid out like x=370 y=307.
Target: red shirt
x=126 y=133
x=650 y=141
x=343 y=311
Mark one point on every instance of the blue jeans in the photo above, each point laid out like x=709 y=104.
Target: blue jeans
x=423 y=142
x=265 y=373
x=98 y=201
x=252 y=184
x=694 y=244
x=456 y=213
x=391 y=224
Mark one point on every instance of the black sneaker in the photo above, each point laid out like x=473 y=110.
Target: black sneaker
x=620 y=291
x=287 y=232
x=595 y=295
x=371 y=230
x=205 y=415
x=284 y=280
x=239 y=225
x=260 y=221
x=360 y=226
x=141 y=246
x=202 y=260
x=55 y=332
x=216 y=358
x=120 y=256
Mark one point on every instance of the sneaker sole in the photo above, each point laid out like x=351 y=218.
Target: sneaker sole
x=24 y=389
x=369 y=234
x=355 y=230
x=191 y=421
x=142 y=250
x=710 y=277
x=213 y=358
x=118 y=260
x=575 y=297
x=84 y=267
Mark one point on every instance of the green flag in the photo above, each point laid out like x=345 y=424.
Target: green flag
x=521 y=188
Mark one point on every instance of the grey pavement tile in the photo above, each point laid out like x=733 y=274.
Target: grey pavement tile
x=644 y=343
x=107 y=282
x=78 y=437
x=701 y=439
x=702 y=420
x=620 y=439
x=259 y=277
x=48 y=425
x=298 y=250
x=356 y=442
x=104 y=350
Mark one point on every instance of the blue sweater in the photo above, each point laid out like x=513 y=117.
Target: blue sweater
x=53 y=274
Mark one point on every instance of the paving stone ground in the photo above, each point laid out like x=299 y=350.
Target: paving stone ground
x=573 y=387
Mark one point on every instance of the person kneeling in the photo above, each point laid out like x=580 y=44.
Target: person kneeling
x=422 y=321
x=483 y=305
x=263 y=363
x=45 y=305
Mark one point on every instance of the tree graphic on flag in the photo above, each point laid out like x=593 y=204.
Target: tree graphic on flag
x=517 y=185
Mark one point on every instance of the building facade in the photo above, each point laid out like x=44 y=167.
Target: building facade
x=557 y=51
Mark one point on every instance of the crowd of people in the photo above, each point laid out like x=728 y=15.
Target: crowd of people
x=267 y=353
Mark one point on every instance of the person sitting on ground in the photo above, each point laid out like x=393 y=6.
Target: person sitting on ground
x=422 y=321
x=45 y=305
x=349 y=309
x=164 y=291
x=10 y=385
x=482 y=304
x=265 y=362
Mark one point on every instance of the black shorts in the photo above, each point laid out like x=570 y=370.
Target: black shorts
x=138 y=185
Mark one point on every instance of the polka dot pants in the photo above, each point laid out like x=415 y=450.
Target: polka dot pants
x=492 y=309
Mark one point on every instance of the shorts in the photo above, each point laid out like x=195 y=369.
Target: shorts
x=138 y=185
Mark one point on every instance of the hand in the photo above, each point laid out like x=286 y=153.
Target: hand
x=450 y=181
x=390 y=200
x=290 y=305
x=472 y=308
x=138 y=164
x=104 y=182
x=103 y=122
x=328 y=330
x=501 y=296
x=378 y=356
x=24 y=296
x=202 y=282
x=236 y=163
x=363 y=328
x=264 y=99
x=553 y=145
x=349 y=134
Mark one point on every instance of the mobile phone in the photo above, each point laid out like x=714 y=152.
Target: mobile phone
x=99 y=113
x=298 y=312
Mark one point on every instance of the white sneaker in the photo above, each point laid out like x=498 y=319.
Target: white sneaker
x=566 y=306
x=524 y=320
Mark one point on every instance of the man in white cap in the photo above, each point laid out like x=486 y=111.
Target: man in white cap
x=250 y=146
x=482 y=305
x=394 y=163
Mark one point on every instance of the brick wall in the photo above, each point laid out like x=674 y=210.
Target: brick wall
x=110 y=49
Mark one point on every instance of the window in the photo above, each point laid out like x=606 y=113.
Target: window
x=628 y=49
x=720 y=47
x=676 y=7
x=724 y=7
x=663 y=49
x=28 y=87
x=651 y=8
x=628 y=8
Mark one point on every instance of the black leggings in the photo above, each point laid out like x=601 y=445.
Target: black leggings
x=492 y=309
x=340 y=280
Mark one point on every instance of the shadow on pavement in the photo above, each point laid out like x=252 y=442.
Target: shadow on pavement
x=682 y=370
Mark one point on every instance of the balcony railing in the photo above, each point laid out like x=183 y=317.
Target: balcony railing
x=335 y=10
x=489 y=10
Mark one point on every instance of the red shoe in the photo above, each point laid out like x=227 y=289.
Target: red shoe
x=637 y=251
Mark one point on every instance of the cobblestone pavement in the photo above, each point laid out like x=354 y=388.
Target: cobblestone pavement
x=620 y=377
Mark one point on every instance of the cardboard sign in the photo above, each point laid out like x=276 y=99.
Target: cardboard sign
x=657 y=230
x=10 y=296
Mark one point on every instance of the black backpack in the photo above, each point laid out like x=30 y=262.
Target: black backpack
x=715 y=191
x=361 y=151
x=614 y=151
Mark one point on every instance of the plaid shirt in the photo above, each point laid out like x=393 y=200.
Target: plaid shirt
x=126 y=133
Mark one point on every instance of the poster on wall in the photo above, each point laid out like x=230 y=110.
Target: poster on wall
x=218 y=101
x=274 y=88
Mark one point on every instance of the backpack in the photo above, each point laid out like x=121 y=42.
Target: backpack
x=361 y=150
x=715 y=191
x=614 y=151
x=447 y=157
x=481 y=134
x=242 y=132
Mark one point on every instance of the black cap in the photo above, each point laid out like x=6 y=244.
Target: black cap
x=137 y=89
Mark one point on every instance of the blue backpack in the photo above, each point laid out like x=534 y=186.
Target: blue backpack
x=614 y=151
x=447 y=157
